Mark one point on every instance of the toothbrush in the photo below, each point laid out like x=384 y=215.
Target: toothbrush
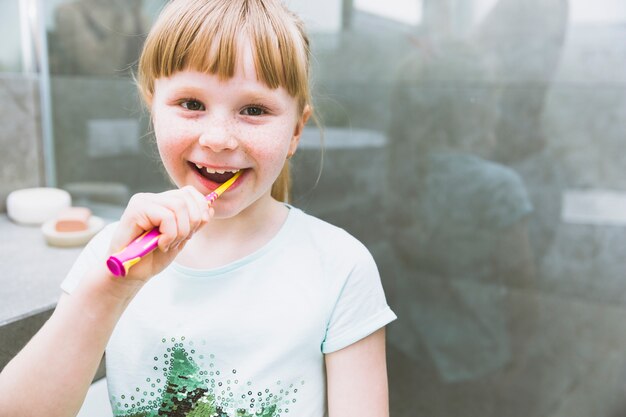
x=120 y=263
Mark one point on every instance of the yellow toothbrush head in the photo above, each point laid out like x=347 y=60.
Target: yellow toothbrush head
x=219 y=190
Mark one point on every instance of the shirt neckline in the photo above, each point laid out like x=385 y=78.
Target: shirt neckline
x=185 y=271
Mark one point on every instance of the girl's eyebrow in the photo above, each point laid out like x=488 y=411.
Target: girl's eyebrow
x=185 y=90
x=262 y=94
x=259 y=94
x=259 y=97
x=241 y=90
x=258 y=91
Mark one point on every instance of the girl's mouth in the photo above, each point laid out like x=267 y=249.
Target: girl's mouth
x=214 y=175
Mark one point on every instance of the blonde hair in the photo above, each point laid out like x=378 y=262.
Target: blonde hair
x=204 y=35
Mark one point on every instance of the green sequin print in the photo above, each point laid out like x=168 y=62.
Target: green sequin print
x=188 y=391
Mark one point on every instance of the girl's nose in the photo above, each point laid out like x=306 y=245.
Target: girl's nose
x=218 y=135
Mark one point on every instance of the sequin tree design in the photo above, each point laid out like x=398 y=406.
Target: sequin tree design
x=192 y=392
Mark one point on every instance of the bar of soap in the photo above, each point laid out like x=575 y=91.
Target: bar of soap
x=73 y=219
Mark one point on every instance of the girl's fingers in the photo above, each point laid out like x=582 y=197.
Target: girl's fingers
x=199 y=201
x=168 y=227
x=189 y=207
x=175 y=202
x=177 y=213
x=194 y=210
x=165 y=219
x=142 y=215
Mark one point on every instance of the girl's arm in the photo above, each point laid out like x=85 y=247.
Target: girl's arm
x=357 y=379
x=52 y=373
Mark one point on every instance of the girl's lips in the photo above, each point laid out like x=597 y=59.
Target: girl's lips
x=212 y=185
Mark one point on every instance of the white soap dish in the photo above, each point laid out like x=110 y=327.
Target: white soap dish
x=34 y=206
x=71 y=239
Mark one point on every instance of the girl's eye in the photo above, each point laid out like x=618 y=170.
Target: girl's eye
x=193 y=105
x=253 y=111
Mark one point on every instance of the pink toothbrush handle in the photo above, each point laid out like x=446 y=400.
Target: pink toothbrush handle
x=119 y=263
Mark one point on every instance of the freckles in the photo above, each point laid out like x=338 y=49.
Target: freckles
x=172 y=145
x=166 y=141
x=170 y=134
x=274 y=143
x=271 y=148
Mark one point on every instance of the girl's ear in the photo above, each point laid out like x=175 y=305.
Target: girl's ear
x=295 y=139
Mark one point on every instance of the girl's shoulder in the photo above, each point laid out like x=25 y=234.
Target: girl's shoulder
x=325 y=237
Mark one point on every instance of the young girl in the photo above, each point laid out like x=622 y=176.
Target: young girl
x=248 y=308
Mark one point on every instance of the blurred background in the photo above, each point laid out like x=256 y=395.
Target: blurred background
x=477 y=147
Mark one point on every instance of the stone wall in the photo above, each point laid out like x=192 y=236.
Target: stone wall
x=21 y=160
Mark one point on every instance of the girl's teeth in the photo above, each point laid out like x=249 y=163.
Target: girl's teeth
x=214 y=171
x=218 y=171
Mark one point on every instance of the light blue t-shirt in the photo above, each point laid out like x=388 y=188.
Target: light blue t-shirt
x=248 y=338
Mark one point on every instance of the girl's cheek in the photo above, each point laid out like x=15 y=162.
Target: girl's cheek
x=172 y=132
x=268 y=141
x=171 y=142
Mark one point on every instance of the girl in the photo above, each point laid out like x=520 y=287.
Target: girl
x=248 y=308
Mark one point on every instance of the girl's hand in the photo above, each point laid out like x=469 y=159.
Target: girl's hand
x=178 y=214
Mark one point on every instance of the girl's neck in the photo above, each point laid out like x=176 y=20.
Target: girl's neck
x=223 y=241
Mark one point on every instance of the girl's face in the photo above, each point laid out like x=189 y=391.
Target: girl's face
x=206 y=127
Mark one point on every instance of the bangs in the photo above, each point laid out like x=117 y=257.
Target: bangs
x=207 y=36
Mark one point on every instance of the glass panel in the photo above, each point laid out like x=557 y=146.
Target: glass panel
x=407 y=11
x=475 y=146
x=10 y=53
x=479 y=155
x=104 y=150
x=20 y=138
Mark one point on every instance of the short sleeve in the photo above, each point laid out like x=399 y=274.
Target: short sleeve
x=92 y=254
x=360 y=308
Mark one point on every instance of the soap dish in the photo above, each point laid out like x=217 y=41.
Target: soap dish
x=35 y=206
x=71 y=239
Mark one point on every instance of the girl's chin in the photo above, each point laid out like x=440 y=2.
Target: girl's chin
x=227 y=210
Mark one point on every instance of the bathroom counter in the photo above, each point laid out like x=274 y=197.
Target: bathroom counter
x=30 y=282
x=31 y=271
